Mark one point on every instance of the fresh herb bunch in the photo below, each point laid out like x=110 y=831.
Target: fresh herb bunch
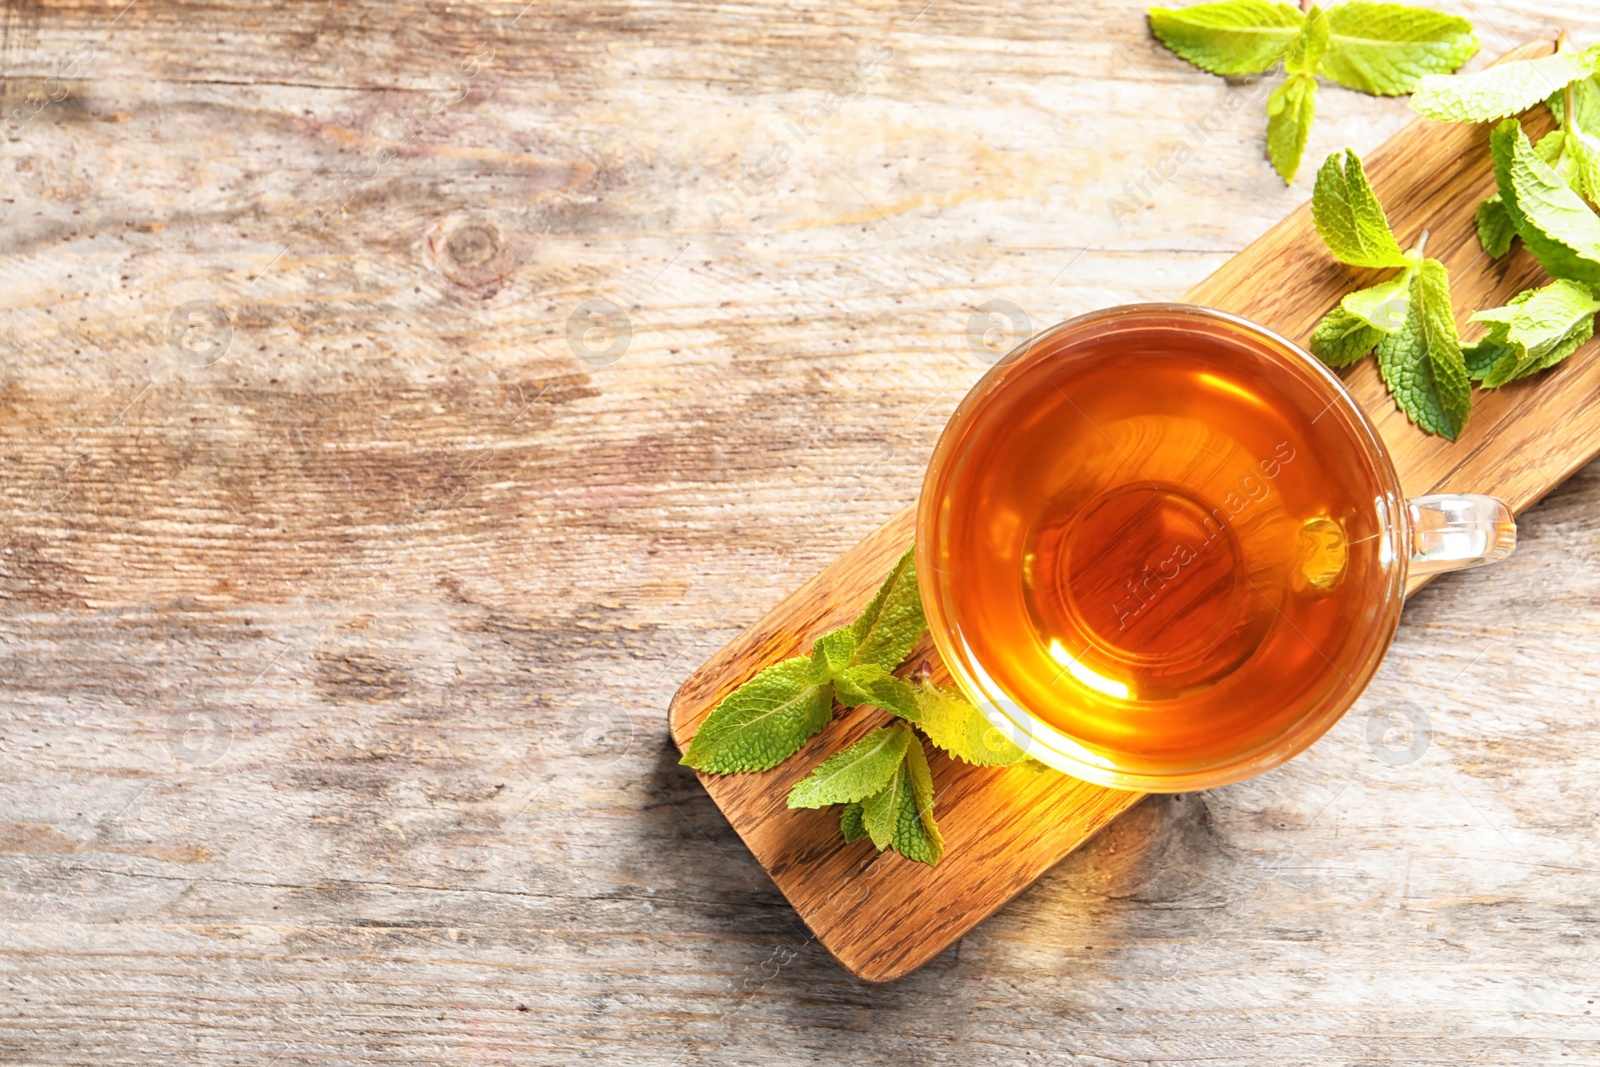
x=1408 y=320
x=883 y=780
x=1546 y=197
x=1377 y=48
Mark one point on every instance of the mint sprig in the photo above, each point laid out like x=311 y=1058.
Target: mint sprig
x=1568 y=82
x=1546 y=196
x=1406 y=319
x=1553 y=221
x=1381 y=49
x=883 y=780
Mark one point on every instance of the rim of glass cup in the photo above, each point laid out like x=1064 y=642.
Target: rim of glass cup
x=1056 y=749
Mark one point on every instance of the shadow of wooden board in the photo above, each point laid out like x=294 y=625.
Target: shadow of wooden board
x=883 y=916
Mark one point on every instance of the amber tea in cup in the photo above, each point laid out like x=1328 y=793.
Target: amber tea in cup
x=1163 y=549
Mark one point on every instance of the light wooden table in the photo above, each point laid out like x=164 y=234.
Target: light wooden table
x=347 y=567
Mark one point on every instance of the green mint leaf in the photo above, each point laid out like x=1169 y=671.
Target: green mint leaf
x=764 y=721
x=893 y=623
x=1583 y=149
x=1350 y=331
x=953 y=723
x=1580 y=335
x=856 y=773
x=916 y=835
x=1232 y=37
x=1582 y=130
x=1491 y=356
x=1385 y=49
x=1382 y=306
x=1585 y=97
x=911 y=838
x=1502 y=90
x=1496 y=229
x=1488 y=357
x=833 y=652
x=1290 y=110
x=1305 y=52
x=1342 y=338
x=1553 y=221
x=880 y=813
x=1493 y=362
x=1349 y=217
x=1551 y=147
x=1555 y=319
x=869 y=683
x=1422 y=362
x=850 y=824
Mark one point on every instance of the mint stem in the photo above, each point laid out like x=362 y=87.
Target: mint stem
x=1421 y=245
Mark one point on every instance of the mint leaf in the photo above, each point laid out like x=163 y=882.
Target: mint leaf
x=1293 y=104
x=1487 y=357
x=893 y=622
x=856 y=773
x=763 y=722
x=1576 y=339
x=1349 y=217
x=869 y=683
x=1490 y=354
x=1350 y=330
x=833 y=652
x=1493 y=361
x=1502 y=90
x=1382 y=306
x=1342 y=338
x=1232 y=37
x=1290 y=110
x=916 y=835
x=1539 y=323
x=1551 y=147
x=880 y=813
x=1496 y=228
x=1582 y=129
x=1385 y=49
x=1583 y=149
x=1422 y=362
x=911 y=838
x=1552 y=220
x=953 y=723
x=850 y=824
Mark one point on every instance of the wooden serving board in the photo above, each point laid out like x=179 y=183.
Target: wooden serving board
x=881 y=915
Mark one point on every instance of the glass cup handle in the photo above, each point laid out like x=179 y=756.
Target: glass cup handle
x=1453 y=531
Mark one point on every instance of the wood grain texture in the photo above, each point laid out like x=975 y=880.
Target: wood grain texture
x=332 y=671
x=882 y=916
